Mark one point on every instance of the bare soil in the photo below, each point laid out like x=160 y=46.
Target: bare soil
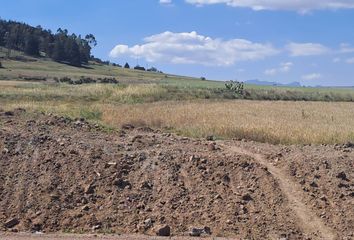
x=64 y=175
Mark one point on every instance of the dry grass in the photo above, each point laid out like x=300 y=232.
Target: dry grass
x=275 y=122
x=143 y=104
x=266 y=121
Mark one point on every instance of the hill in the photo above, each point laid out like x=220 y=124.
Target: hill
x=266 y=83
x=24 y=67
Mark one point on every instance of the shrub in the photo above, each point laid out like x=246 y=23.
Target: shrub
x=139 y=68
x=235 y=86
x=152 y=69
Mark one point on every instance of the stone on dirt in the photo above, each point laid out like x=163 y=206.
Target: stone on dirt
x=197 y=232
x=163 y=231
x=11 y=223
x=342 y=176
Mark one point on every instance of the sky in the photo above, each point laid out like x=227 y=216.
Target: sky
x=309 y=41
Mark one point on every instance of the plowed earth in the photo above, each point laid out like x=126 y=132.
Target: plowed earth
x=63 y=175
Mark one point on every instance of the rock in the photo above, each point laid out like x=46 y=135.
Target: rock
x=127 y=127
x=323 y=198
x=314 y=184
x=163 y=231
x=349 y=145
x=89 y=189
x=9 y=113
x=247 y=197
x=147 y=185
x=211 y=147
x=11 y=223
x=122 y=184
x=85 y=208
x=148 y=223
x=342 y=176
x=96 y=227
x=197 y=232
x=226 y=179
x=5 y=150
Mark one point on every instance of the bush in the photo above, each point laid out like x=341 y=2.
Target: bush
x=0 y=65
x=152 y=69
x=235 y=86
x=108 y=80
x=139 y=68
x=202 y=78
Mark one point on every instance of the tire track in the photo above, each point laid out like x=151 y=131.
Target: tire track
x=311 y=224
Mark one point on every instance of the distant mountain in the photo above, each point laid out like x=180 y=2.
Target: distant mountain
x=266 y=83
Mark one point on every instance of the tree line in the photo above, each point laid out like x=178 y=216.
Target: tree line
x=36 y=41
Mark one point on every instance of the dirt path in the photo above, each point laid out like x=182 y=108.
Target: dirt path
x=308 y=220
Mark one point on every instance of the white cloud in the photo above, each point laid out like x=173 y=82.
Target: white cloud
x=346 y=48
x=283 y=68
x=165 y=1
x=350 y=60
x=312 y=76
x=192 y=48
x=302 y=6
x=306 y=49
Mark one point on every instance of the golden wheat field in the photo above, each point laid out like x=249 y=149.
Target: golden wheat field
x=266 y=121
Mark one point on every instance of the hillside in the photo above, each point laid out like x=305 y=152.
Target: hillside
x=21 y=67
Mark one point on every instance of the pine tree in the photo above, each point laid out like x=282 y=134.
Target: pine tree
x=126 y=65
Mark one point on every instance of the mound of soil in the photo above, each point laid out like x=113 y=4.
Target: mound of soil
x=63 y=175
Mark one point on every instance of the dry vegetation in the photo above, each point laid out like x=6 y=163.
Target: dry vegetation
x=276 y=122
x=266 y=121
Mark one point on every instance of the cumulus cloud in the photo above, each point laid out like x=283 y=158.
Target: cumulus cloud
x=312 y=76
x=302 y=6
x=283 y=68
x=306 y=49
x=192 y=48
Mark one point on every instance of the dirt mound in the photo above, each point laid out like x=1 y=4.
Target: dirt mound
x=59 y=174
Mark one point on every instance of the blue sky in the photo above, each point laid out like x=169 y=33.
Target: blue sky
x=311 y=41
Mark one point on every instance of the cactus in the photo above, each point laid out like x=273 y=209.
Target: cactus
x=235 y=86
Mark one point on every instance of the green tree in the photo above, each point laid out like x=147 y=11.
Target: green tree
x=126 y=65
x=72 y=52
x=58 y=51
x=31 y=46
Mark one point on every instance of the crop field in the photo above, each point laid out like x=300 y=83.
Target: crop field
x=187 y=111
